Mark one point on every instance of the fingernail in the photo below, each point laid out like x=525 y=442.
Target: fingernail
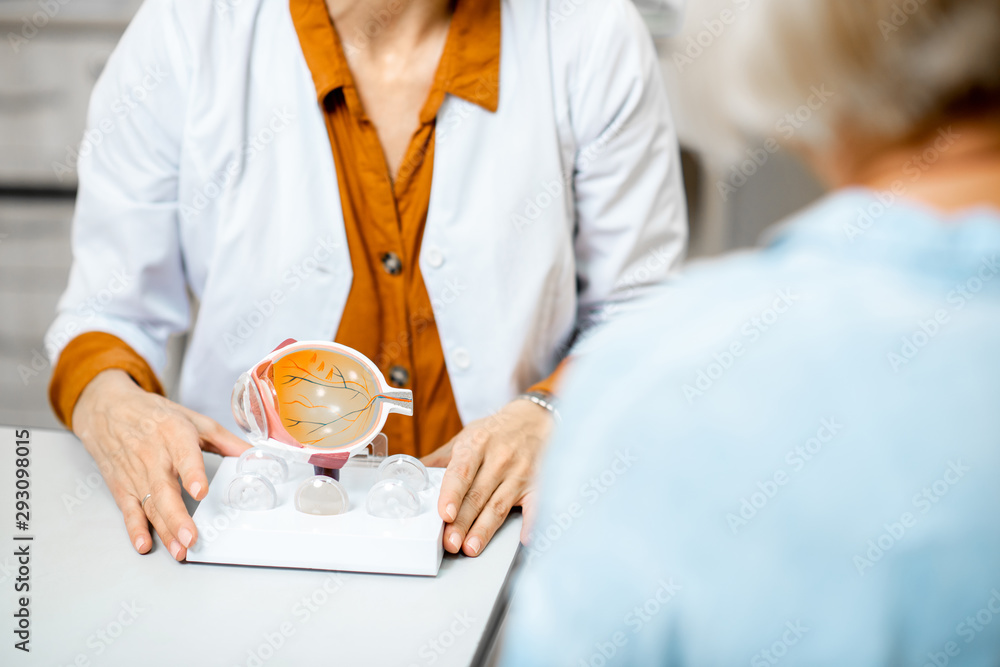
x=195 y=490
x=474 y=544
x=450 y=512
x=175 y=549
x=455 y=540
x=140 y=542
x=186 y=537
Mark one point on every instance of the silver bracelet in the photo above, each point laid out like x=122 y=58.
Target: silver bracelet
x=543 y=400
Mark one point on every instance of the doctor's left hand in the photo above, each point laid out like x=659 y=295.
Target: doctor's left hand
x=491 y=468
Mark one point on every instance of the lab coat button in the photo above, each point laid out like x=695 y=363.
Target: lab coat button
x=392 y=264
x=435 y=257
x=399 y=376
x=462 y=358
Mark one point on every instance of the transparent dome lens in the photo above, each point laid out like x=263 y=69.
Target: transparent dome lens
x=252 y=492
x=264 y=464
x=248 y=408
x=237 y=403
x=392 y=499
x=406 y=469
x=322 y=496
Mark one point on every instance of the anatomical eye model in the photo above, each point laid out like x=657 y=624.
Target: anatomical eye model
x=315 y=401
x=318 y=489
x=325 y=398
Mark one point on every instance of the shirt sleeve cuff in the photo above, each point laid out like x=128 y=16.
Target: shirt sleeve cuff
x=83 y=358
x=550 y=384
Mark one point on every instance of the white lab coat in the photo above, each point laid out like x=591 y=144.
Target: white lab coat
x=207 y=172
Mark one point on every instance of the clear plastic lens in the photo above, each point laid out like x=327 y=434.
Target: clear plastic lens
x=248 y=408
x=321 y=495
x=258 y=420
x=264 y=464
x=249 y=491
x=406 y=469
x=392 y=499
x=237 y=403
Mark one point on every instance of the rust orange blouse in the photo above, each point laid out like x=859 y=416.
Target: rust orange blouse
x=388 y=315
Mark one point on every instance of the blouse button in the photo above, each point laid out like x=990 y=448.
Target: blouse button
x=392 y=264
x=399 y=376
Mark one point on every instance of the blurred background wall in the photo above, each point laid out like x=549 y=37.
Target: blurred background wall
x=54 y=50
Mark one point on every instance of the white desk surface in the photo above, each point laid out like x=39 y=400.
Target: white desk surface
x=95 y=601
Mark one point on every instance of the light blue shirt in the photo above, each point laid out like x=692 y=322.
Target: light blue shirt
x=786 y=457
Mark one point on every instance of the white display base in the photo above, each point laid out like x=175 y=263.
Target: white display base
x=284 y=537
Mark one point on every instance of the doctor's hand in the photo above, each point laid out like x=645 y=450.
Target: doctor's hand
x=142 y=442
x=491 y=468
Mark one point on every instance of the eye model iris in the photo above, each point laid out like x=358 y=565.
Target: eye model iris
x=325 y=399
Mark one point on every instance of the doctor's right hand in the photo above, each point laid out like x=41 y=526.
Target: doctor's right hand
x=142 y=442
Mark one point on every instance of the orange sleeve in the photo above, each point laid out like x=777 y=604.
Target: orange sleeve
x=551 y=383
x=83 y=358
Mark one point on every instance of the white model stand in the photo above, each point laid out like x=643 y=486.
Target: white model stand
x=285 y=537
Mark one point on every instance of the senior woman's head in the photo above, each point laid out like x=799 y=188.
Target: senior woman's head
x=846 y=79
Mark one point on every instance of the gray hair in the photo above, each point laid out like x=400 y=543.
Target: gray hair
x=883 y=69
